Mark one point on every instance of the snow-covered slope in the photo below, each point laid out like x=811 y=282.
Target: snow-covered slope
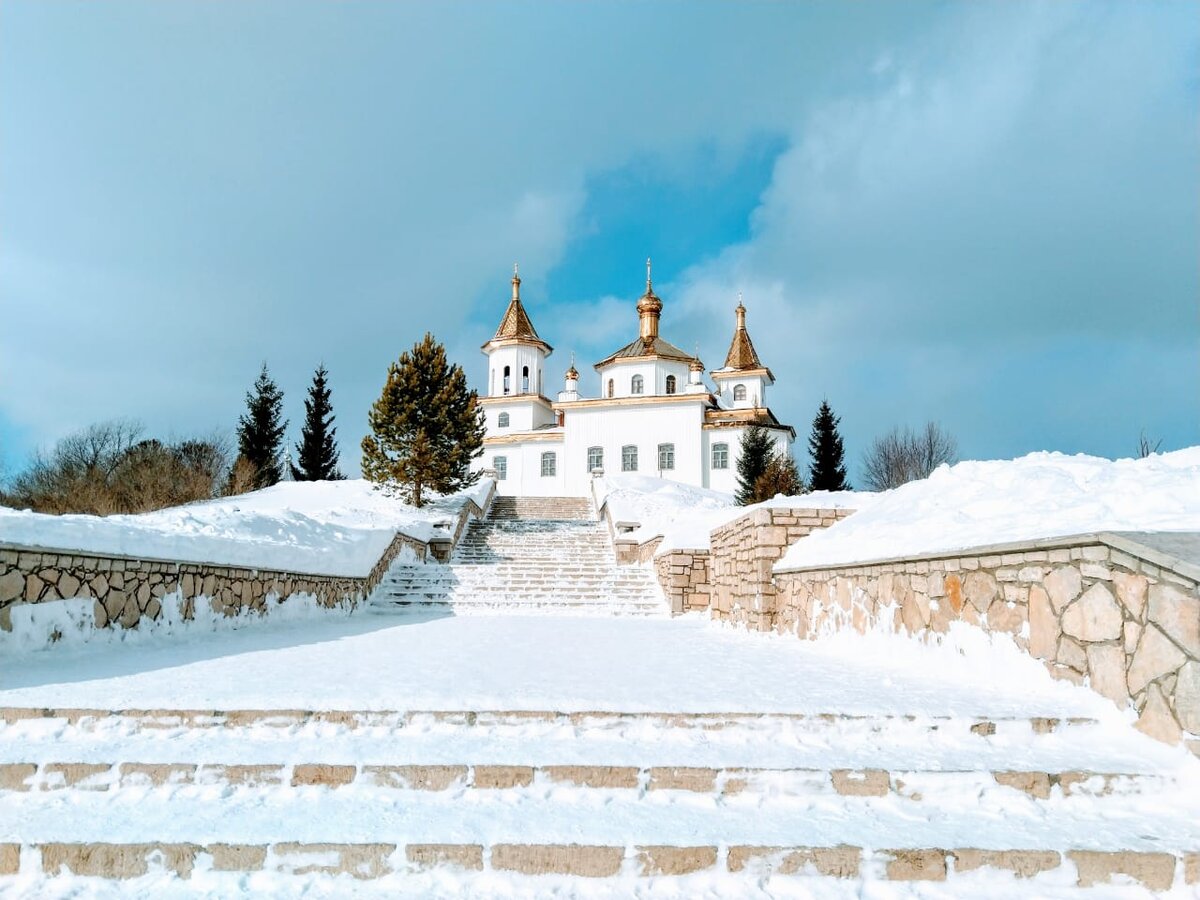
x=1042 y=495
x=320 y=528
x=685 y=515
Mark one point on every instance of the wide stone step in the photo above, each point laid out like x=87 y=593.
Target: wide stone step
x=56 y=723
x=915 y=786
x=547 y=606
x=367 y=835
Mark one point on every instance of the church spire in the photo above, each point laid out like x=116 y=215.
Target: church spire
x=649 y=309
x=741 y=353
x=516 y=324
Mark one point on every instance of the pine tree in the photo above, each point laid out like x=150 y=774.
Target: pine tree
x=827 y=471
x=317 y=450
x=780 y=477
x=260 y=432
x=755 y=454
x=426 y=426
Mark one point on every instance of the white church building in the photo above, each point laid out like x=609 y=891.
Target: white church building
x=653 y=413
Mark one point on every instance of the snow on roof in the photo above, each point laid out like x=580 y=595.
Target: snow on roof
x=1042 y=495
x=311 y=527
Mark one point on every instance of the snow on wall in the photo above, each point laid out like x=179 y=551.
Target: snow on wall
x=1042 y=495
x=320 y=528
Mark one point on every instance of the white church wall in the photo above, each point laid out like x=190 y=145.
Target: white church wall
x=726 y=479
x=518 y=358
x=523 y=415
x=644 y=426
x=523 y=469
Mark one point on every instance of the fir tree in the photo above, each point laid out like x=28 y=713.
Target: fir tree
x=827 y=471
x=755 y=454
x=317 y=450
x=260 y=432
x=426 y=426
x=780 y=477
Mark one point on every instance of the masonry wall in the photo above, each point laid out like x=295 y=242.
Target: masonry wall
x=126 y=591
x=1092 y=612
x=743 y=556
x=684 y=577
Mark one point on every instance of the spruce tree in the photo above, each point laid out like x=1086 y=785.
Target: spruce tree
x=260 y=432
x=755 y=454
x=827 y=471
x=317 y=450
x=426 y=426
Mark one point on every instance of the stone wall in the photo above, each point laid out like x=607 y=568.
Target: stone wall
x=744 y=553
x=1097 y=609
x=126 y=591
x=684 y=577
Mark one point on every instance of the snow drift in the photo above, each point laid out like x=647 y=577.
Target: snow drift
x=1042 y=495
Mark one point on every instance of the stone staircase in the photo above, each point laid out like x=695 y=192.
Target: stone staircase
x=479 y=800
x=539 y=555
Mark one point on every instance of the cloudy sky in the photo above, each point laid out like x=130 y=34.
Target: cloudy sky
x=987 y=214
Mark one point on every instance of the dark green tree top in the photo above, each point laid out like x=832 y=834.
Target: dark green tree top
x=827 y=470
x=317 y=451
x=260 y=430
x=426 y=426
x=755 y=455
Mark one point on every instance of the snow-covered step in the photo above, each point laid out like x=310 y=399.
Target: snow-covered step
x=565 y=508
x=367 y=833
x=918 y=786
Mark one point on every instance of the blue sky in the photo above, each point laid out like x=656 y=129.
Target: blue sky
x=985 y=214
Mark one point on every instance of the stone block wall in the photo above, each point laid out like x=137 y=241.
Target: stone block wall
x=1091 y=608
x=743 y=556
x=126 y=591
x=684 y=577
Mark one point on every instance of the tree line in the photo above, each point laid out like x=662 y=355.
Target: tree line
x=426 y=428
x=113 y=467
x=895 y=458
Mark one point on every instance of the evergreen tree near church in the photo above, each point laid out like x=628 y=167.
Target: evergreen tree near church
x=755 y=455
x=317 y=451
x=426 y=427
x=827 y=471
x=260 y=434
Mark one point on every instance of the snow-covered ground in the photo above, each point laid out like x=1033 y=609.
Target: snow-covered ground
x=1042 y=495
x=317 y=528
x=382 y=661
x=685 y=516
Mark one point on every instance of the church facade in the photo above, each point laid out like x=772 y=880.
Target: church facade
x=653 y=414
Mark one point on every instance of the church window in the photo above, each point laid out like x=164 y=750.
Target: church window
x=525 y=380
x=549 y=464
x=500 y=464
x=611 y=387
x=502 y=420
x=629 y=458
x=507 y=387
x=595 y=458
x=635 y=386
x=720 y=456
x=739 y=392
x=666 y=457
x=670 y=384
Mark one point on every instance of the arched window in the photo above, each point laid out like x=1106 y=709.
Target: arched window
x=595 y=458
x=670 y=384
x=739 y=392
x=635 y=386
x=720 y=456
x=666 y=457
x=492 y=385
x=502 y=420
x=507 y=386
x=629 y=458
x=549 y=464
x=500 y=464
x=611 y=387
x=525 y=380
